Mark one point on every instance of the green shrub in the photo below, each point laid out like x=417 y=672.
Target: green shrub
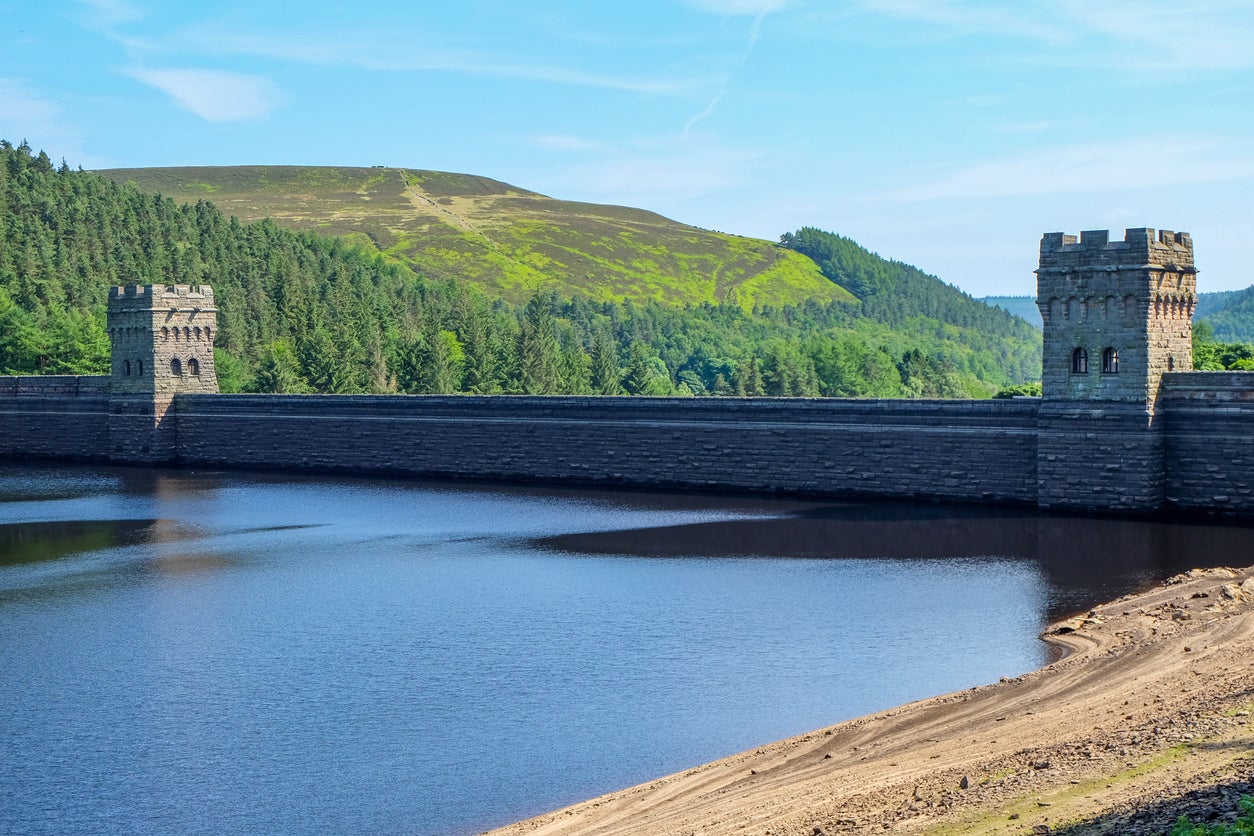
x=1243 y=826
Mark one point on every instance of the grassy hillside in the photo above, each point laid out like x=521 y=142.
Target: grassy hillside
x=508 y=241
x=302 y=312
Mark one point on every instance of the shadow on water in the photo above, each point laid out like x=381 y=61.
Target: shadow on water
x=36 y=542
x=1085 y=560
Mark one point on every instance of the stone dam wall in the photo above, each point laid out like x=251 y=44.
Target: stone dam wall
x=1195 y=454
x=55 y=417
x=1209 y=441
x=960 y=450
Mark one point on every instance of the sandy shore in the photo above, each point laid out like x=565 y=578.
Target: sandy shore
x=1148 y=716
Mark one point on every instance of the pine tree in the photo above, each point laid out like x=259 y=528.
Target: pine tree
x=538 y=349
x=605 y=372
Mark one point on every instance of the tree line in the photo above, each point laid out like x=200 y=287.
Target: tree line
x=303 y=313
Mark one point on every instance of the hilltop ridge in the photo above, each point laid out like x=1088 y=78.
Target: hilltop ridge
x=509 y=241
x=308 y=310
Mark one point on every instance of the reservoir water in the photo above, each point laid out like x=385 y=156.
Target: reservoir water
x=197 y=652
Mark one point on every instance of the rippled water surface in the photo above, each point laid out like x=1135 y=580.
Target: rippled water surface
x=210 y=652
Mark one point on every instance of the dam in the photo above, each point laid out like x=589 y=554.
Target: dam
x=1124 y=426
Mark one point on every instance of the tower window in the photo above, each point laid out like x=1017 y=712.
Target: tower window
x=1079 y=361
x=1171 y=364
x=1110 y=361
x=128 y=368
x=193 y=366
x=176 y=367
x=141 y=368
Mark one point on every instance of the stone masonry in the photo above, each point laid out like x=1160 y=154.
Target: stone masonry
x=162 y=346
x=1117 y=314
x=1124 y=425
x=1117 y=317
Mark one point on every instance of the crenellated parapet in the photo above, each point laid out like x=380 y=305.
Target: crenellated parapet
x=1117 y=314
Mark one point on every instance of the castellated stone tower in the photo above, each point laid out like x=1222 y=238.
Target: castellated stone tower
x=1117 y=315
x=162 y=346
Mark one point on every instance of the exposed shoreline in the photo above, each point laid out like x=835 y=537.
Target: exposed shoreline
x=1146 y=715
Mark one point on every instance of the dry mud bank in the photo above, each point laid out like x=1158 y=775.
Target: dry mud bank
x=1147 y=716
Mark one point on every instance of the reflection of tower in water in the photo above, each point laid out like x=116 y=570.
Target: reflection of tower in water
x=176 y=542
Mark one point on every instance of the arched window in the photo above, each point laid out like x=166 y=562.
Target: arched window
x=197 y=332
x=176 y=367
x=176 y=335
x=128 y=368
x=209 y=334
x=1079 y=361
x=1171 y=363
x=1110 y=361
x=193 y=366
x=165 y=334
x=141 y=368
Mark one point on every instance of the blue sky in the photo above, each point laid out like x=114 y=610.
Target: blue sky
x=945 y=133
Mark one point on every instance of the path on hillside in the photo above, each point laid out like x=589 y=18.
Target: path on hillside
x=1152 y=703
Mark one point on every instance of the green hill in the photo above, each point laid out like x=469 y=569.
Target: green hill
x=937 y=315
x=510 y=242
x=1023 y=307
x=302 y=311
x=1230 y=313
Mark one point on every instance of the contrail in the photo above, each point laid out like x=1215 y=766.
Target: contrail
x=755 y=30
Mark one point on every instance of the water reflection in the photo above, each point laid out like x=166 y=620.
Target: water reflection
x=1084 y=560
x=38 y=541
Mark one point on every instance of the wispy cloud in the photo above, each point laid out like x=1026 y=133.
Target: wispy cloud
x=109 y=13
x=561 y=142
x=738 y=7
x=658 y=176
x=1213 y=34
x=214 y=95
x=25 y=114
x=1025 y=18
x=1098 y=167
x=1035 y=126
x=383 y=52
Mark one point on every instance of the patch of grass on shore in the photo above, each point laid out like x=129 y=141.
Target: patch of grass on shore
x=1029 y=804
x=1243 y=826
